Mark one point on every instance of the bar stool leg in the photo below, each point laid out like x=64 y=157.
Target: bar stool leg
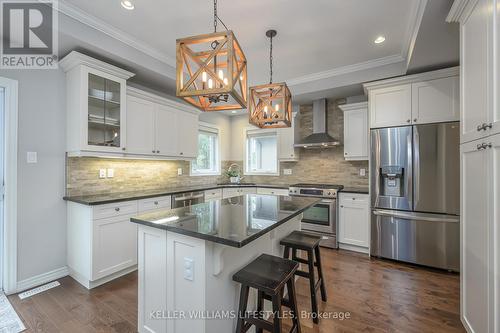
x=287 y=252
x=292 y=297
x=260 y=308
x=314 y=302
x=320 y=273
x=277 y=313
x=242 y=309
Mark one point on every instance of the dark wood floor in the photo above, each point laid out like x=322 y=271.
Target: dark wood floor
x=381 y=296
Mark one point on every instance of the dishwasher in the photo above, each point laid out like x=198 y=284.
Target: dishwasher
x=187 y=199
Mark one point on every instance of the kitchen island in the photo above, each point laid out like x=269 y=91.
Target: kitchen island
x=187 y=257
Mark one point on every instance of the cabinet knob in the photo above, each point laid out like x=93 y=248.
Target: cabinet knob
x=341 y=206
x=415 y=120
x=408 y=121
x=153 y=151
x=117 y=209
x=345 y=153
x=353 y=198
x=156 y=202
x=124 y=148
x=157 y=151
x=182 y=153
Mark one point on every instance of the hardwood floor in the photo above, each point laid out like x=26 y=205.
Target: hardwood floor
x=381 y=296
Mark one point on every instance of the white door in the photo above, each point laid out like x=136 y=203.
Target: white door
x=475 y=293
x=188 y=134
x=356 y=134
x=166 y=131
x=475 y=76
x=390 y=106
x=140 y=126
x=436 y=100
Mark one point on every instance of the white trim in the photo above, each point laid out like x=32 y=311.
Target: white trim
x=9 y=241
x=353 y=106
x=414 y=22
x=214 y=129
x=389 y=60
x=135 y=92
x=252 y=131
x=75 y=58
x=460 y=10
x=43 y=278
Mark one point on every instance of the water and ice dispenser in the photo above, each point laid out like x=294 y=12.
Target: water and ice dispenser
x=391 y=181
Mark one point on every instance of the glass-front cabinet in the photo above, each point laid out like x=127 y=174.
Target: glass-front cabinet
x=96 y=105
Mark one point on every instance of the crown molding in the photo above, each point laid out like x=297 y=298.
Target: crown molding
x=346 y=69
x=416 y=15
x=353 y=106
x=76 y=58
x=135 y=92
x=460 y=10
x=100 y=25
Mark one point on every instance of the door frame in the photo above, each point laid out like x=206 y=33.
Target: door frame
x=9 y=242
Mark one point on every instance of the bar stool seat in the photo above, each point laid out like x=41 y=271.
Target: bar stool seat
x=268 y=275
x=299 y=240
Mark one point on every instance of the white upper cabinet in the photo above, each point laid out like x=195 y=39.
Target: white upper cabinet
x=166 y=131
x=430 y=97
x=140 y=126
x=355 y=131
x=96 y=105
x=390 y=106
x=436 y=100
x=187 y=145
x=287 y=152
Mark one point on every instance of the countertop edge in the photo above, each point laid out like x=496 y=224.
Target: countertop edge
x=355 y=190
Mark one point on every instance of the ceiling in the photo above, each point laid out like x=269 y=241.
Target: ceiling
x=322 y=45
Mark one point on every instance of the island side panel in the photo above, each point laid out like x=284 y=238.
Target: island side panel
x=152 y=303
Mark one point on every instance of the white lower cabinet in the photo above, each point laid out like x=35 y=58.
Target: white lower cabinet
x=213 y=194
x=237 y=191
x=272 y=191
x=354 y=222
x=102 y=242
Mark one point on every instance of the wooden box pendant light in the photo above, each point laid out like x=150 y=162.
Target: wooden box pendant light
x=271 y=104
x=212 y=70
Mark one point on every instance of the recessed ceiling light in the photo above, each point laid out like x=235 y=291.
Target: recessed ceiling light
x=380 y=39
x=127 y=4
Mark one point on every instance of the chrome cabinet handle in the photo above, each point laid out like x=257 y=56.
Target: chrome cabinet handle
x=488 y=126
x=484 y=127
x=484 y=146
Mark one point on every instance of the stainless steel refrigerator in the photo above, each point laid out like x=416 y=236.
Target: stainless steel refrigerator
x=415 y=194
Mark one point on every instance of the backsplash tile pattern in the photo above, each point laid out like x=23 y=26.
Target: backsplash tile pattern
x=314 y=166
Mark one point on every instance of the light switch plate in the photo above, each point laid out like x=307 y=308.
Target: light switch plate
x=179 y=171
x=31 y=157
x=102 y=173
x=111 y=173
x=188 y=269
x=287 y=172
x=362 y=172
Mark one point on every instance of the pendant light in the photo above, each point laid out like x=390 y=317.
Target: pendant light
x=212 y=70
x=271 y=104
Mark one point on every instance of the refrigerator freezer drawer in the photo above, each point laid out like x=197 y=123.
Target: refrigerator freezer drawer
x=426 y=239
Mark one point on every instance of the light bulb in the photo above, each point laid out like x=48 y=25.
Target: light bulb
x=225 y=81
x=277 y=107
x=210 y=83
x=221 y=74
x=241 y=77
x=204 y=77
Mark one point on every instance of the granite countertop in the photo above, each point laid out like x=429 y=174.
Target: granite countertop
x=234 y=221
x=100 y=199
x=361 y=190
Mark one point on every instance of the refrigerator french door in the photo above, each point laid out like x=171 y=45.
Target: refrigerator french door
x=415 y=194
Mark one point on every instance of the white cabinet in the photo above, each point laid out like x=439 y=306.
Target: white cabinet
x=187 y=144
x=286 y=137
x=152 y=204
x=436 y=100
x=354 y=222
x=272 y=191
x=166 y=131
x=96 y=104
x=237 y=191
x=140 y=126
x=425 y=98
x=213 y=194
x=390 y=106
x=355 y=131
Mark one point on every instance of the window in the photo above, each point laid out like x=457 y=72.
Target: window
x=207 y=162
x=261 y=153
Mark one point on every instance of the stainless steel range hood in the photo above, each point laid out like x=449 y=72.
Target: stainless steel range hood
x=320 y=137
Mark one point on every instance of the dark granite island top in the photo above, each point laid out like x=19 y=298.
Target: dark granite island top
x=234 y=221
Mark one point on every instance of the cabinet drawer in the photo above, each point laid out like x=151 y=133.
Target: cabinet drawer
x=154 y=203
x=353 y=198
x=272 y=191
x=213 y=194
x=115 y=209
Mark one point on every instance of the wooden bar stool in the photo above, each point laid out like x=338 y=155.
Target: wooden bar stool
x=268 y=275
x=299 y=240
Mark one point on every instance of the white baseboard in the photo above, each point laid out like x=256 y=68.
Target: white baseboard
x=354 y=248
x=92 y=284
x=42 y=279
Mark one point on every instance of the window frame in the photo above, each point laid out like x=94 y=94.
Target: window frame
x=210 y=128
x=252 y=132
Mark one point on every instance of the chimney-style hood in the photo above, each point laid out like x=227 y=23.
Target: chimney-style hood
x=320 y=137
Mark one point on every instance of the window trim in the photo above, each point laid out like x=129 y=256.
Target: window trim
x=207 y=127
x=259 y=132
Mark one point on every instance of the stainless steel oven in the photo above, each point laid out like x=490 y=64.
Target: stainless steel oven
x=320 y=219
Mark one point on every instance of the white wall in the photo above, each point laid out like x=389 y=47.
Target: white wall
x=238 y=126
x=41 y=233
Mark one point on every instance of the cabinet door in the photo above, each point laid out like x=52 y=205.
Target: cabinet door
x=286 y=137
x=475 y=264
x=188 y=134
x=495 y=225
x=495 y=116
x=140 y=126
x=390 y=106
x=475 y=76
x=230 y=192
x=114 y=246
x=356 y=134
x=166 y=131
x=436 y=101
x=354 y=220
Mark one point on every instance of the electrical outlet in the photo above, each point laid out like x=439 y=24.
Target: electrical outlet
x=362 y=172
x=31 y=157
x=111 y=173
x=102 y=173
x=188 y=269
x=287 y=172
x=179 y=171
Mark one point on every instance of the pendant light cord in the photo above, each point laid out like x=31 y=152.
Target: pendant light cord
x=217 y=18
x=271 y=60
